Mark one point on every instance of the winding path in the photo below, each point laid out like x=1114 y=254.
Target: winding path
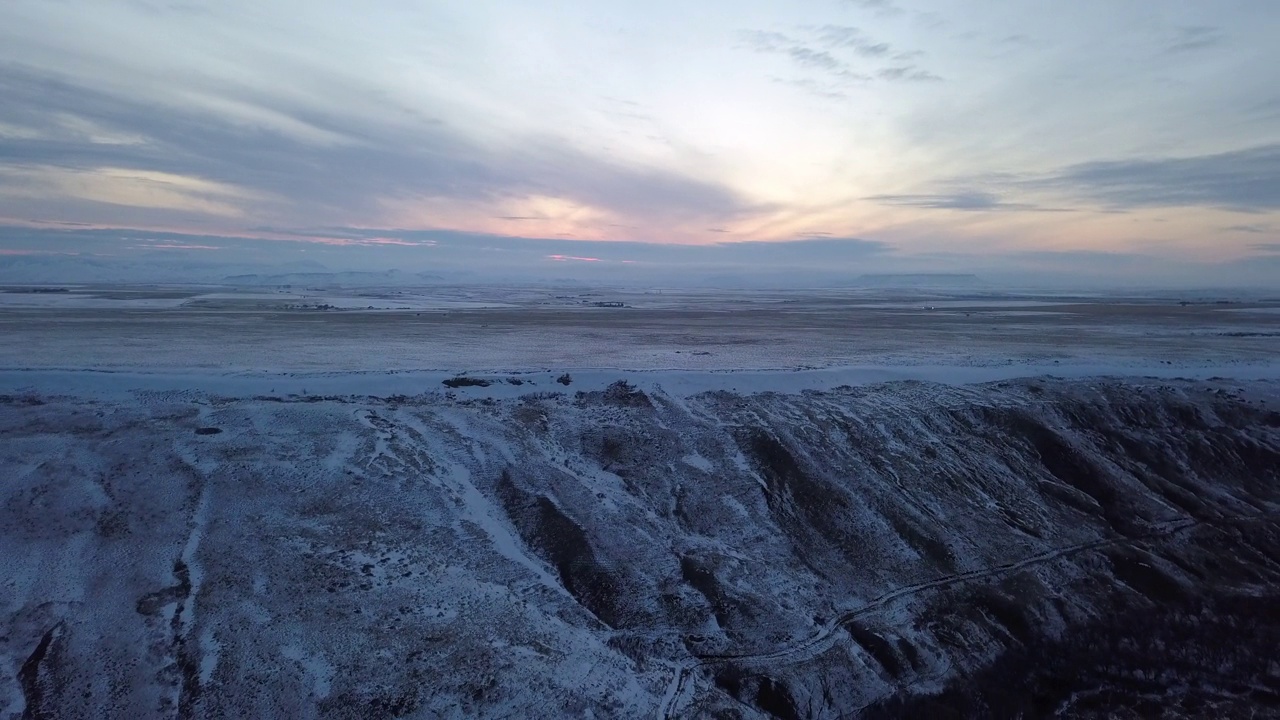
x=825 y=637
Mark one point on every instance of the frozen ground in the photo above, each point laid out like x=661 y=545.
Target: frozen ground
x=233 y=508
x=497 y=329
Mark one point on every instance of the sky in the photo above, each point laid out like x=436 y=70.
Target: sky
x=1128 y=137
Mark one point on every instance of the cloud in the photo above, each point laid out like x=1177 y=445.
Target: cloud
x=908 y=73
x=804 y=250
x=172 y=8
x=313 y=164
x=967 y=201
x=1267 y=108
x=825 y=90
x=844 y=36
x=88 y=255
x=816 y=58
x=1019 y=39
x=883 y=8
x=1081 y=260
x=766 y=41
x=804 y=56
x=13 y=252
x=1253 y=229
x=176 y=246
x=1195 y=37
x=445 y=245
x=576 y=258
x=1245 y=180
x=832 y=50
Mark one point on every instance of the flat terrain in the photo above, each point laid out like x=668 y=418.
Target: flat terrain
x=487 y=329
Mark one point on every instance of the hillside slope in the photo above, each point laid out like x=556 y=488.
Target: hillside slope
x=611 y=553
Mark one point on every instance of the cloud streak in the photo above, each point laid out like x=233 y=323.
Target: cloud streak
x=844 y=36
x=1193 y=38
x=908 y=73
x=355 y=168
x=426 y=257
x=1251 y=229
x=842 y=53
x=1246 y=180
x=964 y=201
x=883 y=8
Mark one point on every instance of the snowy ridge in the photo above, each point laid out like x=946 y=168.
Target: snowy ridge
x=654 y=547
x=511 y=384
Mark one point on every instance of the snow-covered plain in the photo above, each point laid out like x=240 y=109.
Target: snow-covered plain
x=515 y=329
x=560 y=510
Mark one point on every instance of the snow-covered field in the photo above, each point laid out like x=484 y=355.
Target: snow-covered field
x=560 y=510
x=503 y=330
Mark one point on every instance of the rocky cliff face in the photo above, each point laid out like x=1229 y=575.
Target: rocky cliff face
x=615 y=553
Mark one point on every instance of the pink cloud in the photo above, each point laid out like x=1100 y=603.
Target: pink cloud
x=14 y=251
x=319 y=238
x=178 y=246
x=393 y=241
x=350 y=241
x=565 y=258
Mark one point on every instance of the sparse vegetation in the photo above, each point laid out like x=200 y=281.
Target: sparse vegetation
x=1203 y=658
x=463 y=381
x=624 y=394
x=28 y=400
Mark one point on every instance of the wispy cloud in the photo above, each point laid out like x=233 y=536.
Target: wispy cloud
x=22 y=252
x=883 y=8
x=1251 y=229
x=171 y=7
x=809 y=57
x=816 y=58
x=908 y=73
x=205 y=161
x=453 y=245
x=842 y=54
x=1246 y=180
x=844 y=36
x=1017 y=39
x=966 y=201
x=576 y=258
x=176 y=246
x=1196 y=37
x=825 y=89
